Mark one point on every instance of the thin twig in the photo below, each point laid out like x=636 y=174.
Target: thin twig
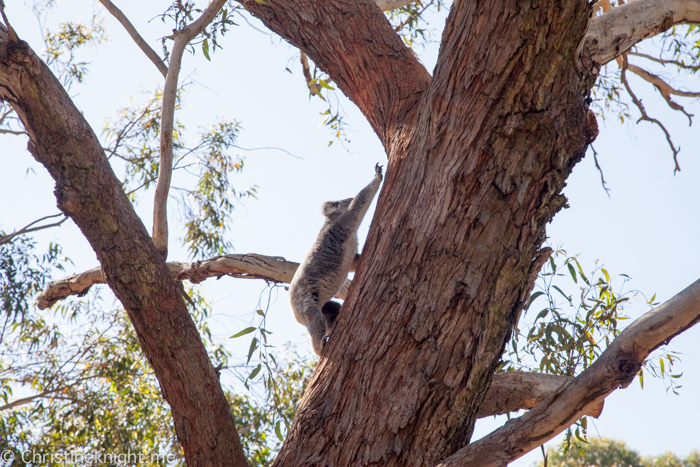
x=664 y=89
x=412 y=16
x=645 y=116
x=597 y=166
x=28 y=228
x=664 y=61
x=143 y=45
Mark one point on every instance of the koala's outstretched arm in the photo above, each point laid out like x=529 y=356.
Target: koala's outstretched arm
x=358 y=206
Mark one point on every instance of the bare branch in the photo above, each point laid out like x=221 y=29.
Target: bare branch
x=664 y=61
x=250 y=266
x=515 y=390
x=616 y=31
x=25 y=400
x=615 y=368
x=12 y=132
x=600 y=171
x=664 y=89
x=28 y=228
x=638 y=103
x=143 y=45
x=160 y=207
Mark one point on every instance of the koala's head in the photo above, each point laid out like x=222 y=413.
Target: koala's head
x=332 y=209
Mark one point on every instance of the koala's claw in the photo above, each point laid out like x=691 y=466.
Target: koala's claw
x=378 y=170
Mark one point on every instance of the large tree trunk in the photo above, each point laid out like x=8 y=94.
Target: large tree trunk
x=88 y=191
x=477 y=159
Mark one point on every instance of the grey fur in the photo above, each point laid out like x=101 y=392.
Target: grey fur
x=325 y=268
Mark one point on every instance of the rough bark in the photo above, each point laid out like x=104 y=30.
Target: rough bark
x=473 y=176
x=88 y=191
x=615 y=368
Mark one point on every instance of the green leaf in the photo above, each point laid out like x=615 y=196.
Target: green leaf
x=325 y=85
x=253 y=346
x=572 y=271
x=561 y=292
x=260 y=312
x=607 y=276
x=243 y=332
x=255 y=372
x=205 y=49
x=278 y=430
x=532 y=299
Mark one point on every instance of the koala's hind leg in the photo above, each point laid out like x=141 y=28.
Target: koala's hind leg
x=316 y=323
x=330 y=312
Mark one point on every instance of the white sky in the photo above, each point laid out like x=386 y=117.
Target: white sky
x=648 y=229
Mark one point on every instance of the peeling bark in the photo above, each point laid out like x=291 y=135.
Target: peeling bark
x=615 y=32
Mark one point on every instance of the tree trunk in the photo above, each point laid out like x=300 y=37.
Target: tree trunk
x=88 y=191
x=477 y=161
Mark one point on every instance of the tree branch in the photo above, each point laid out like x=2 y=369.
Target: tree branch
x=615 y=368
x=616 y=31
x=250 y=266
x=665 y=62
x=165 y=172
x=515 y=390
x=88 y=191
x=28 y=228
x=645 y=116
x=377 y=71
x=143 y=45
x=664 y=89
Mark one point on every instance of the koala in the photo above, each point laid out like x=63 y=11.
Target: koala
x=325 y=268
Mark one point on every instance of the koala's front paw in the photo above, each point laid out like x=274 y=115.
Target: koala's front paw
x=378 y=172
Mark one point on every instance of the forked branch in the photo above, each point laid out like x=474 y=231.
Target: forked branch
x=615 y=368
x=160 y=203
x=645 y=116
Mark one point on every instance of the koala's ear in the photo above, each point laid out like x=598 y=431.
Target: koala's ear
x=330 y=208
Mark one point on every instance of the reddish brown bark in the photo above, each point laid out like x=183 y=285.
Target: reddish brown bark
x=475 y=172
x=88 y=191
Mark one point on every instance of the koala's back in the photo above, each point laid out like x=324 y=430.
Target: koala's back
x=326 y=266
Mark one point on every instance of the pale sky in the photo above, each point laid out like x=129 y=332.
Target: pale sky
x=648 y=228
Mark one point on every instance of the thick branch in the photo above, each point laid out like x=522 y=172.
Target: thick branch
x=377 y=71
x=160 y=202
x=515 y=390
x=616 y=31
x=88 y=191
x=143 y=45
x=251 y=266
x=615 y=368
